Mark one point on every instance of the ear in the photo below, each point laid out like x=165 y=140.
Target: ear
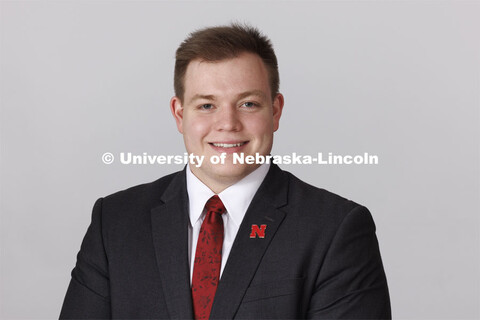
x=177 y=112
x=277 y=107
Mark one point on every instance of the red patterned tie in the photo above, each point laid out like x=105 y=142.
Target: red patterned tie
x=208 y=259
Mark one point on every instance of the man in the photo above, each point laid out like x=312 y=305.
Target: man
x=228 y=240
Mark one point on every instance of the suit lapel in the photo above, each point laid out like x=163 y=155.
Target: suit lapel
x=170 y=236
x=247 y=252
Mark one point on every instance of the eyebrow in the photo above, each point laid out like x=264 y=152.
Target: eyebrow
x=242 y=95
x=202 y=96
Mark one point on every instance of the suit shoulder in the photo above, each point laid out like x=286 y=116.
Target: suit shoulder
x=147 y=194
x=315 y=200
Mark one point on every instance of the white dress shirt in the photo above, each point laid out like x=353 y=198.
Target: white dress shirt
x=236 y=200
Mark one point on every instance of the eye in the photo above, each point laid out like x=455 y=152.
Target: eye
x=249 y=104
x=206 y=106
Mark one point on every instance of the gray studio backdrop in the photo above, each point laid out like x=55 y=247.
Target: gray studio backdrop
x=399 y=79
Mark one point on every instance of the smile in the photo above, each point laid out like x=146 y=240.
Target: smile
x=228 y=145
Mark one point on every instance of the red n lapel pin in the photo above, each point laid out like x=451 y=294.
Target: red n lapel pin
x=258 y=231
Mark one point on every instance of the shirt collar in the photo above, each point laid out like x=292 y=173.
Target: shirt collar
x=235 y=198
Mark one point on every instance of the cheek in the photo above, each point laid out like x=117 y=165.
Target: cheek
x=260 y=126
x=195 y=128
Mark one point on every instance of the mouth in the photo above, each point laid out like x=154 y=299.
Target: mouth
x=227 y=145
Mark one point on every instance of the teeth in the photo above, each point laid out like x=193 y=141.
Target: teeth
x=228 y=145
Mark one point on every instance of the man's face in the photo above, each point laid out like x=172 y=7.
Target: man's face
x=227 y=107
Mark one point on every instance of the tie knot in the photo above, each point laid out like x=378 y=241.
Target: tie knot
x=214 y=204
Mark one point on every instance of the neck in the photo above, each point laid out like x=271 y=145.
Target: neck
x=218 y=183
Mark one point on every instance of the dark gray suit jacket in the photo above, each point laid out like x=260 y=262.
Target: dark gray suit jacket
x=319 y=258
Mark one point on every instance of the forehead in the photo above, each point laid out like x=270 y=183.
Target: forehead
x=243 y=73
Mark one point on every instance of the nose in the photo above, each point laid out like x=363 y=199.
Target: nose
x=228 y=119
